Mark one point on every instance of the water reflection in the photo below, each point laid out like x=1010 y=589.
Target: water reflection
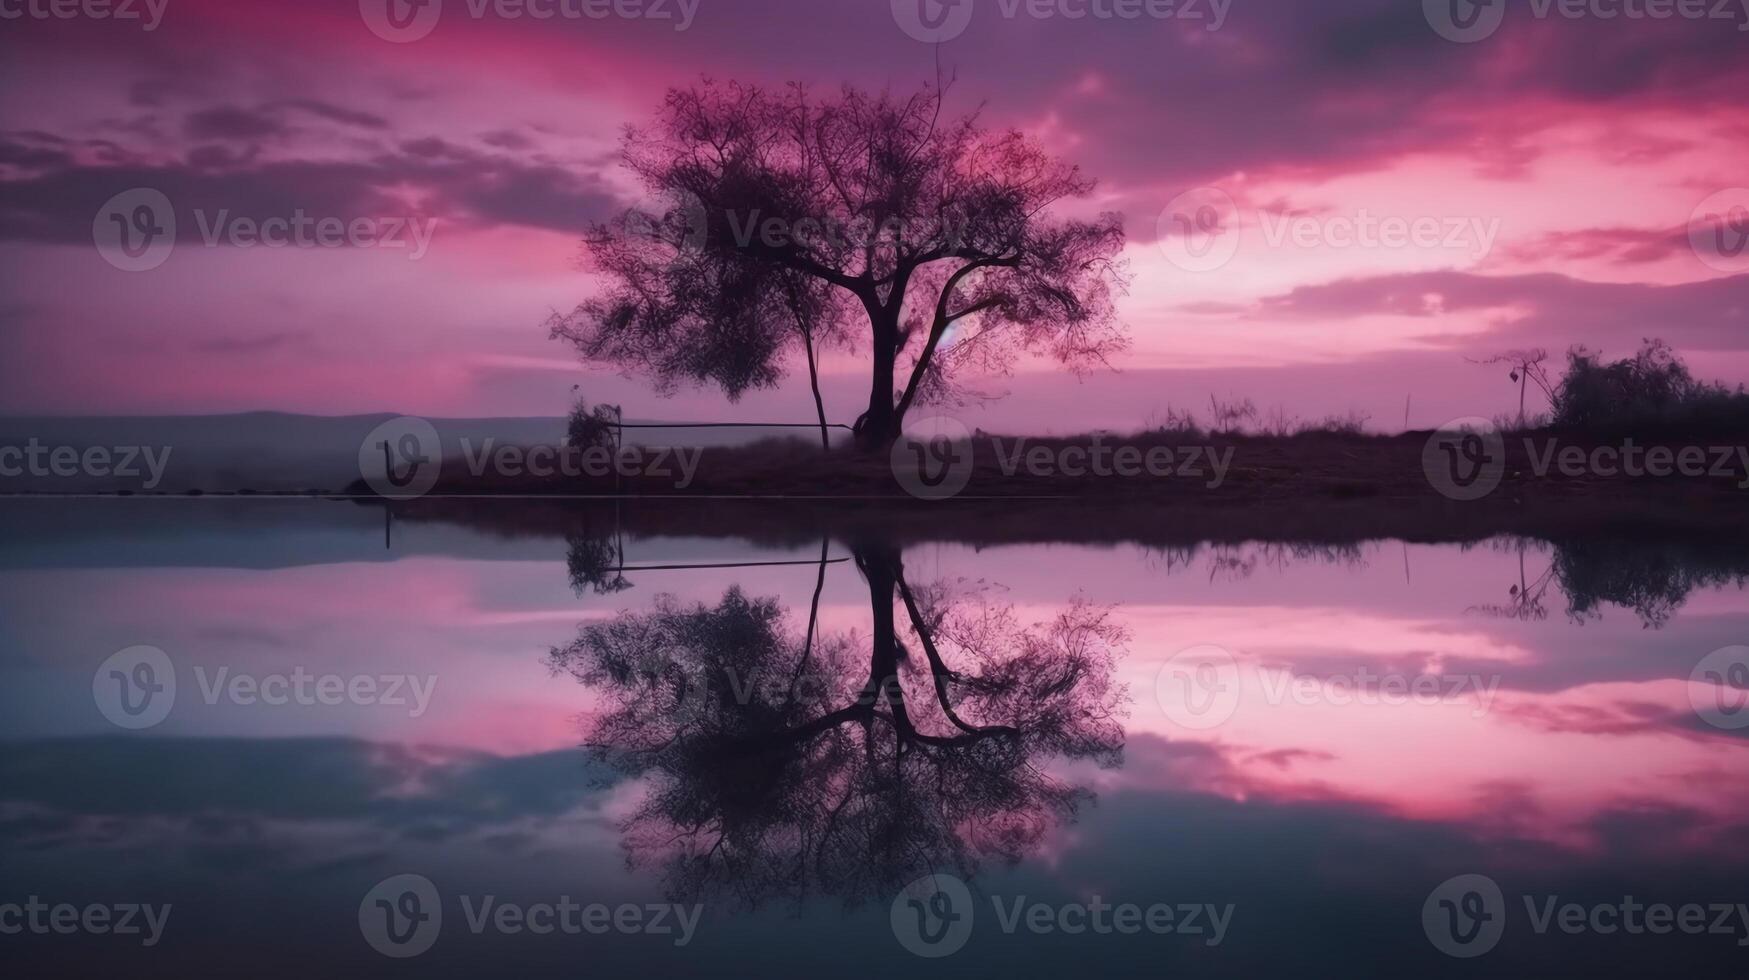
x=779 y=764
x=788 y=733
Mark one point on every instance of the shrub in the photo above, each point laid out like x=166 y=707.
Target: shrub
x=590 y=427
x=1650 y=391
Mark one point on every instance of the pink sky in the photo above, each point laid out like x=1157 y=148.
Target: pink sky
x=1562 y=161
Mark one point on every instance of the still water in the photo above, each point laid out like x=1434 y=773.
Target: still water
x=276 y=744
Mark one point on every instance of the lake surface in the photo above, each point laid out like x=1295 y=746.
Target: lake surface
x=450 y=751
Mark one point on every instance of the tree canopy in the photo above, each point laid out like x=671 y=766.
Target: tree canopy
x=936 y=246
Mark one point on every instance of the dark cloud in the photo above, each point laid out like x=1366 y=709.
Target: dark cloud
x=430 y=146
x=506 y=139
x=20 y=154
x=232 y=122
x=298 y=779
x=1624 y=246
x=57 y=203
x=339 y=114
x=1621 y=718
x=216 y=156
x=538 y=197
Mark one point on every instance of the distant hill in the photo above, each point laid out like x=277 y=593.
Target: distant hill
x=274 y=451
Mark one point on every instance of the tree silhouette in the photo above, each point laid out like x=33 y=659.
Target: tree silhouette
x=1527 y=366
x=934 y=240
x=778 y=767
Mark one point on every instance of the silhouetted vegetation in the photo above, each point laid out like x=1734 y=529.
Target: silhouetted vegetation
x=588 y=428
x=783 y=219
x=780 y=764
x=1650 y=393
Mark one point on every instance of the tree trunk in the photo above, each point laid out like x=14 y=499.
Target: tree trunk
x=878 y=428
x=880 y=566
x=814 y=383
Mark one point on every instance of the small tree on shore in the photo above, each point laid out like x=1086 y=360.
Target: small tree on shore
x=936 y=241
x=1526 y=369
x=587 y=427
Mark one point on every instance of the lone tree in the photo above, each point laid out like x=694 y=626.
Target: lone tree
x=1527 y=366
x=788 y=220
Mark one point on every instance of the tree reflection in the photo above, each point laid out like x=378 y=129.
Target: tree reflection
x=595 y=563
x=1651 y=578
x=1525 y=601
x=779 y=766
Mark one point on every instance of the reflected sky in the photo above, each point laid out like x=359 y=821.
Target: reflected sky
x=1564 y=748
